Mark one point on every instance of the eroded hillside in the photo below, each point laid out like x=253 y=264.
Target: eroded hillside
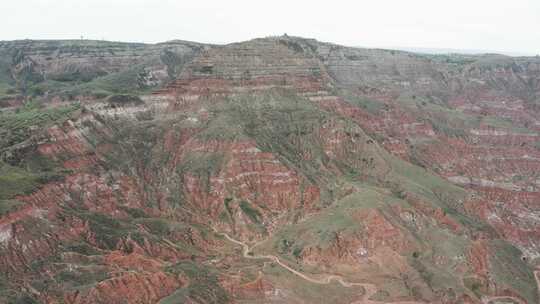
x=278 y=170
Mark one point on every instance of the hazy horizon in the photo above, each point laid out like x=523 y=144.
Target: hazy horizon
x=495 y=26
x=412 y=49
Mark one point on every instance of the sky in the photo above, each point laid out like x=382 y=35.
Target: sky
x=491 y=25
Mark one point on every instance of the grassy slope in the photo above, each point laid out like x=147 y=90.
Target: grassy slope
x=17 y=125
x=203 y=285
x=30 y=170
x=454 y=122
x=509 y=269
x=6 y=83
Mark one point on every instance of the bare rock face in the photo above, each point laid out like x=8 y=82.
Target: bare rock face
x=60 y=70
x=280 y=169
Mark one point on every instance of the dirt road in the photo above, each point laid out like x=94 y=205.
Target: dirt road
x=369 y=289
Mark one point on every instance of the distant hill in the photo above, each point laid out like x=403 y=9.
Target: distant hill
x=425 y=50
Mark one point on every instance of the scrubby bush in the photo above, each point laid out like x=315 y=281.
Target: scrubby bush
x=123 y=100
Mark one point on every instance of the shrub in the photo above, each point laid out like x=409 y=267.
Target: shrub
x=204 y=285
x=123 y=100
x=253 y=214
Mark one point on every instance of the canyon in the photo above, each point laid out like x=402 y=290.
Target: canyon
x=275 y=170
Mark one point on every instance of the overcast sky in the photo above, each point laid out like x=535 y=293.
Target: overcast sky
x=495 y=25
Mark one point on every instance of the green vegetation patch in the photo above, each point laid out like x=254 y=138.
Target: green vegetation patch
x=419 y=181
x=17 y=181
x=280 y=122
x=321 y=230
x=508 y=268
x=140 y=140
x=371 y=106
x=253 y=214
x=6 y=81
x=475 y=285
x=108 y=230
x=452 y=122
x=81 y=248
x=124 y=99
x=203 y=285
x=26 y=170
x=432 y=188
x=80 y=278
x=22 y=299
x=440 y=243
x=17 y=125
x=223 y=125
x=7 y=206
x=203 y=165
x=6 y=90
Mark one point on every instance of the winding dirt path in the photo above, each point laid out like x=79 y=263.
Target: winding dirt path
x=370 y=289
